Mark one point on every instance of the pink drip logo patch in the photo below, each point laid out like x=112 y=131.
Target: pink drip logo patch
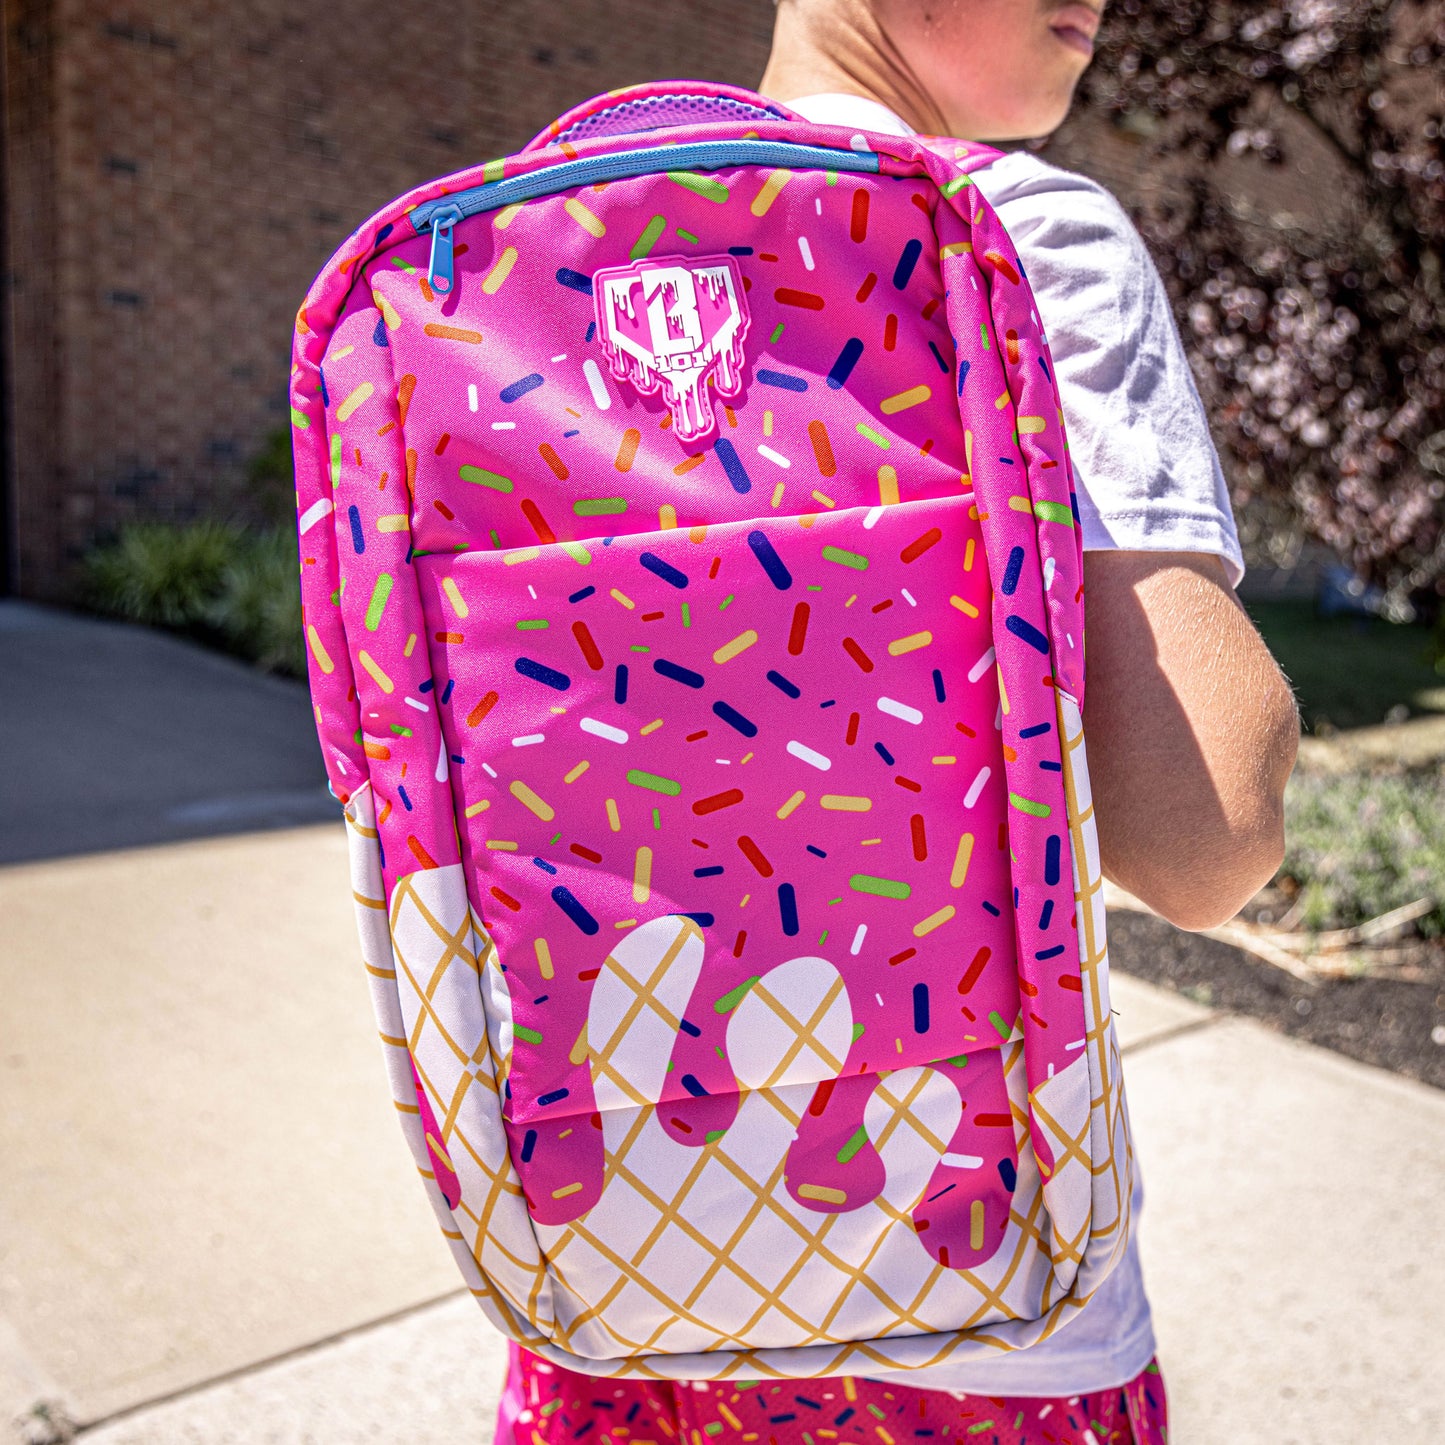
x=676 y=325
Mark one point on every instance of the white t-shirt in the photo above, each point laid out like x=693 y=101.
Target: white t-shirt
x=1147 y=479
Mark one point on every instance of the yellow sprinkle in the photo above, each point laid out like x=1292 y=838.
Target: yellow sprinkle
x=956 y=248
x=577 y=552
x=500 y=271
x=337 y=355
x=975 y=1224
x=454 y=596
x=651 y=727
x=498 y=846
x=523 y=554
x=382 y=680
x=791 y=806
x=577 y=771
x=528 y=799
x=944 y=761
x=1002 y=691
x=870 y=842
x=613 y=821
x=887 y=486
x=730 y=1417
x=768 y=422
x=567 y=1189
x=909 y=644
x=354 y=400
x=584 y=217
x=777 y=494
x=968 y=556
x=960 y=861
x=506 y=216
x=914 y=396
x=477 y=808
x=667 y=517
x=323 y=659
x=934 y=920
x=388 y=311
x=850 y=1390
x=1002 y=400
x=851 y=600
x=544 y=957
x=843 y=803
x=769 y=191
x=968 y=451
x=967 y=608
x=624 y=599
x=580 y=1048
x=740 y=643
x=396 y=522
x=823 y=500
x=821 y=1191
x=410 y=646
x=625 y=923
x=1020 y=504
x=1029 y=424
x=642 y=876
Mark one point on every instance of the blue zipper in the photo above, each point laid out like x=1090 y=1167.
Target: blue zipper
x=443 y=214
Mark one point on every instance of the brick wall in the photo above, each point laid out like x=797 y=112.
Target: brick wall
x=177 y=171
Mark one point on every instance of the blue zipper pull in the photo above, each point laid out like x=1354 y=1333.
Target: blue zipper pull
x=439 y=273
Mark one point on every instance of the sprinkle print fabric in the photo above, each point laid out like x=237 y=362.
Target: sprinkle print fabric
x=693 y=596
x=544 y=1404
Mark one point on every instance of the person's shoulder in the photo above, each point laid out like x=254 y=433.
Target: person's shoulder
x=1035 y=198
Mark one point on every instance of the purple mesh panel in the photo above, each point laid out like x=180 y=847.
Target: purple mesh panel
x=654 y=112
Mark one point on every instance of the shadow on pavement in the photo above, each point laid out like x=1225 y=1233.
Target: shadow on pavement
x=119 y=736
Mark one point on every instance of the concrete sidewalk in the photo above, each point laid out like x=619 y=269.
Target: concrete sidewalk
x=210 y=1232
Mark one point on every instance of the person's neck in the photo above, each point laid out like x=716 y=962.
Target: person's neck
x=852 y=56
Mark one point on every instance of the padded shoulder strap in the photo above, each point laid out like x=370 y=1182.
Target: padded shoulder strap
x=656 y=105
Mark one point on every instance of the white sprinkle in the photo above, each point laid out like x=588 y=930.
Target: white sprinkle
x=602 y=730
x=489 y=770
x=563 y=357
x=504 y=426
x=908 y=597
x=807 y=755
x=976 y=787
x=982 y=665
x=998 y=717
x=900 y=710
x=1048 y=573
x=471 y=396
x=533 y=591
x=419 y=706
x=818 y=205
x=723 y=762
x=530 y=740
x=314 y=513
x=441 y=773
x=963 y=1161
x=1077 y=1044
x=807 y=253
x=1045 y=1411
x=775 y=457
x=858 y=143
x=1051 y=1074
x=598 y=387
x=1069 y=638
x=879 y=997
x=858 y=939
x=871 y=519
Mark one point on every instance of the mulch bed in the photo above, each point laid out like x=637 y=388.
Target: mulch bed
x=1383 y=1021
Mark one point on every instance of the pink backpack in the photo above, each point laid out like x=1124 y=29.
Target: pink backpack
x=692 y=581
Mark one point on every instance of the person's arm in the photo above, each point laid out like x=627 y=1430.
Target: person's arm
x=1191 y=731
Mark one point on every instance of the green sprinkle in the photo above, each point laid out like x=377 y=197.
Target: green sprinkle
x=1054 y=512
x=956 y=185
x=815 y=586
x=481 y=477
x=529 y=1036
x=650 y=780
x=712 y=1136
x=703 y=186
x=554 y=840
x=858 y=1031
x=377 y=606
x=777 y=332
x=874 y=1410
x=302 y=422
x=879 y=887
x=959 y=1062
x=686 y=616
x=713 y=1427
x=598 y=506
x=399 y=730
x=1027 y=805
x=550 y=1406
x=687 y=235
x=533 y=624
x=983 y=332
x=496 y=540
x=656 y=818
x=845 y=559
x=648 y=239
x=403 y=265
x=853 y=1146
x=996 y=1019
x=336 y=461
x=638 y=647
x=723 y=605
x=980 y=1427
x=729 y=1001
x=1020 y=1420
x=832 y=177
x=873 y=436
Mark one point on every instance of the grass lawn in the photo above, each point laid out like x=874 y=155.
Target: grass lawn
x=1350 y=671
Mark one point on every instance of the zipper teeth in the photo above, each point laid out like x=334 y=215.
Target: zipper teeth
x=706 y=155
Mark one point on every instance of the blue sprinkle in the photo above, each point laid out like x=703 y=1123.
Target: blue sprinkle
x=575 y=279
x=325 y=395
x=685 y=675
x=401 y=793
x=1074 y=507
x=1047 y=916
x=781 y=379
x=1007 y=461
x=938 y=357
x=690 y=1028
x=385 y=231
x=693 y=1087
x=458 y=759
x=1049 y=767
x=522 y=387
x=703 y=920
x=804 y=1400
x=378 y=336
x=545 y=866
x=920 y=1008
x=619 y=691
x=1037 y=730
x=1053 y=952
x=447 y=695
x=989 y=908
x=709 y=872
x=566 y=900
x=846 y=1415
x=769 y=560
x=783 y=685
x=665 y=570
x=1044 y=367
x=735 y=251
x=1026 y=632
x=1011 y=572
x=540 y=672
x=817 y=852
x=847 y=360
x=779 y=1419
x=632 y=1413
x=788 y=908
x=906 y=262
x=529 y=1143
x=425 y=686
x=734 y=719
x=582 y=595
x=931 y=1198
x=832 y=702
x=358 y=537
x=732 y=463
x=938 y=691
x=963 y=370
x=1008 y=1174
x=555 y=1097
x=591 y=331
x=1051 y=860
x=883 y=753
x=575 y=432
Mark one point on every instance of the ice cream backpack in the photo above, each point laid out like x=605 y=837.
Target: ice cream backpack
x=692 y=584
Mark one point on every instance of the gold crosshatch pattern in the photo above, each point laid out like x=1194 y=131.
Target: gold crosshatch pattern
x=839 y=1302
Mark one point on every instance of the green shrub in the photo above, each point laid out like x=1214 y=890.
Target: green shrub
x=258 y=608
x=1358 y=845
